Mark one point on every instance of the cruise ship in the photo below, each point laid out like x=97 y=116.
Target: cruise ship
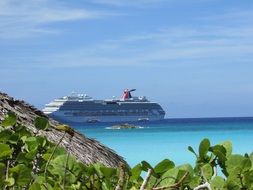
x=81 y=108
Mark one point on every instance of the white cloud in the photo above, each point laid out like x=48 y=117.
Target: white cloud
x=29 y=17
x=129 y=3
x=232 y=15
x=184 y=45
x=143 y=3
x=209 y=43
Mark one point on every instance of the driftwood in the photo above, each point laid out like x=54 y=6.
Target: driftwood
x=85 y=149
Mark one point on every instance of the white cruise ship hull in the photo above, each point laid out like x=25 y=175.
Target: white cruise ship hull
x=79 y=108
x=88 y=119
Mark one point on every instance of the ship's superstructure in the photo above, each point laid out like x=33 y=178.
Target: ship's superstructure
x=80 y=108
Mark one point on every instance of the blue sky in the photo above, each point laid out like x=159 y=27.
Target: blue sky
x=192 y=56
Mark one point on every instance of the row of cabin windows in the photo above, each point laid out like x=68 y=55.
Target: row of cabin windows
x=117 y=111
x=107 y=112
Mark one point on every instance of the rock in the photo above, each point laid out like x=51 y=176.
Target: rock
x=125 y=126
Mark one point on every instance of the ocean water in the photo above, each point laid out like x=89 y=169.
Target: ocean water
x=171 y=137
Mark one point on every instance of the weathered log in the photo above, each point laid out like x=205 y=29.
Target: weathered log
x=85 y=149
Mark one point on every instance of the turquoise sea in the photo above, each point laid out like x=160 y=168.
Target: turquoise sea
x=171 y=137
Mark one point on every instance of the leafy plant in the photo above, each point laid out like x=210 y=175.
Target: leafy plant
x=29 y=161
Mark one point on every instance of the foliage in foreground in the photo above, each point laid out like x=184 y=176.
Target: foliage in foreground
x=29 y=161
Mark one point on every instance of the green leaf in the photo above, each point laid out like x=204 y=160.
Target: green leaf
x=40 y=185
x=71 y=172
x=31 y=154
x=35 y=186
x=232 y=184
x=21 y=174
x=194 y=182
x=228 y=146
x=97 y=169
x=251 y=158
x=90 y=170
x=9 y=120
x=39 y=179
x=233 y=162
x=169 y=177
x=2 y=174
x=42 y=141
x=207 y=171
x=245 y=165
x=180 y=175
x=146 y=166
x=31 y=144
x=14 y=138
x=217 y=183
x=136 y=172
x=65 y=128
x=22 y=131
x=186 y=167
x=163 y=166
x=41 y=123
x=58 y=151
x=5 y=150
x=152 y=182
x=5 y=135
x=220 y=152
x=105 y=186
x=204 y=147
x=248 y=178
x=108 y=172
x=192 y=150
x=22 y=158
x=10 y=181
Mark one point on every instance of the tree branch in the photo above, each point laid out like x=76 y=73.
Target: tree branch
x=50 y=158
x=122 y=176
x=176 y=185
x=66 y=164
x=145 y=182
x=205 y=185
x=214 y=172
x=7 y=173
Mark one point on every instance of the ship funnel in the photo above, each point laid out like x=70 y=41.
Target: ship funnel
x=127 y=94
